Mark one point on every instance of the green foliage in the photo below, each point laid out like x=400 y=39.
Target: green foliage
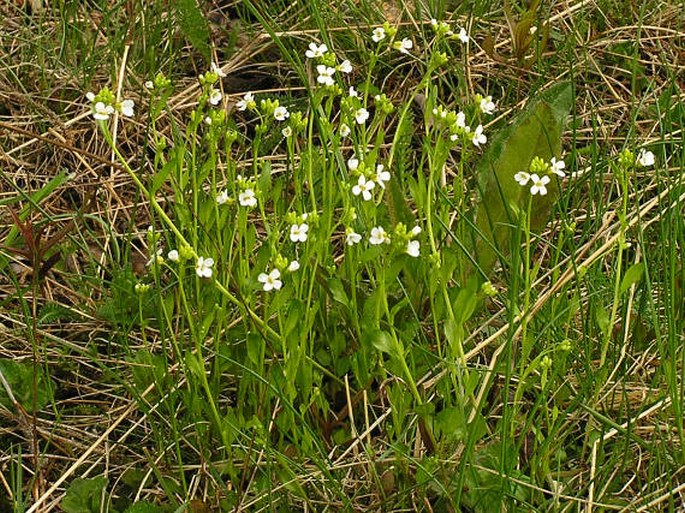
x=193 y=25
x=21 y=377
x=84 y=495
x=536 y=132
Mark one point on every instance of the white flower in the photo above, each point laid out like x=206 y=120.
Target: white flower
x=298 y=232
x=90 y=95
x=382 y=176
x=539 y=184
x=246 y=102
x=352 y=92
x=247 y=198
x=416 y=231
x=345 y=66
x=645 y=158
x=325 y=75
x=361 y=115
x=156 y=258
x=352 y=238
x=378 y=34
x=271 y=281
x=316 y=50
x=363 y=187
x=478 y=136
x=353 y=163
x=463 y=36
x=217 y=69
x=222 y=197
x=294 y=266
x=557 y=167
x=403 y=46
x=522 y=177
x=344 y=130
x=149 y=84
x=281 y=114
x=413 y=248
x=461 y=120
x=126 y=108
x=203 y=268
x=102 y=112
x=487 y=106
x=208 y=120
x=214 y=96
x=173 y=255
x=287 y=132
x=379 y=236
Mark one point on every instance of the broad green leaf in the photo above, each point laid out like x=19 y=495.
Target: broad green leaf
x=535 y=133
x=19 y=376
x=84 y=495
x=383 y=341
x=632 y=276
x=193 y=25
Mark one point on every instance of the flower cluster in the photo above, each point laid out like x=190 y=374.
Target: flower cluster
x=405 y=241
x=442 y=28
x=538 y=174
x=327 y=67
x=455 y=122
x=104 y=104
x=367 y=177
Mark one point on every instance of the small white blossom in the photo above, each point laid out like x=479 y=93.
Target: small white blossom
x=287 y=132
x=382 y=176
x=413 y=248
x=344 y=130
x=298 y=232
x=361 y=115
x=126 y=108
x=271 y=281
x=353 y=163
x=557 y=167
x=316 y=51
x=217 y=69
x=208 y=120
x=293 y=266
x=487 y=106
x=403 y=46
x=463 y=36
x=247 y=198
x=461 y=120
x=156 y=258
x=246 y=102
x=173 y=255
x=214 y=96
x=325 y=75
x=378 y=34
x=102 y=112
x=478 y=136
x=345 y=66
x=352 y=92
x=645 y=158
x=352 y=238
x=222 y=197
x=416 y=231
x=281 y=114
x=522 y=178
x=203 y=268
x=539 y=184
x=363 y=187
x=91 y=95
x=149 y=84
x=379 y=236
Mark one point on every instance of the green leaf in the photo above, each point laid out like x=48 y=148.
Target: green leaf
x=536 y=132
x=84 y=495
x=632 y=276
x=19 y=376
x=382 y=340
x=193 y=25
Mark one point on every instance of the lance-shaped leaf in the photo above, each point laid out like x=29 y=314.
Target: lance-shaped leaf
x=535 y=133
